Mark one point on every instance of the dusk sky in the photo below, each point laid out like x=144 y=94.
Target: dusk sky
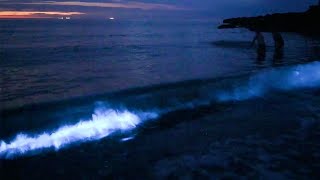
x=130 y=8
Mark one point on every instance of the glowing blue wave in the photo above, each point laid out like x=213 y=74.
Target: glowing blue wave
x=107 y=121
x=283 y=79
x=103 y=123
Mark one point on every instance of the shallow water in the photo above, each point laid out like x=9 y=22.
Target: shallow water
x=122 y=95
x=43 y=61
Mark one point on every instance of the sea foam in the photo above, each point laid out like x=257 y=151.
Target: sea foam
x=102 y=123
x=281 y=79
x=105 y=121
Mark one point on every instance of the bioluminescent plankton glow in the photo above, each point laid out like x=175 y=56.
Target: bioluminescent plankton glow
x=102 y=124
x=106 y=121
x=282 y=79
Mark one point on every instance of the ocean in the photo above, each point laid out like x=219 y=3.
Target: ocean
x=157 y=99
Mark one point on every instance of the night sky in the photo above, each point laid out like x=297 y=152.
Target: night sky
x=129 y=8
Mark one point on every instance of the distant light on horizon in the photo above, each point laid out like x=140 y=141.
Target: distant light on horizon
x=111 y=18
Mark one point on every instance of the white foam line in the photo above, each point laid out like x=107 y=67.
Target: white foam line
x=127 y=139
x=284 y=79
x=103 y=123
x=106 y=121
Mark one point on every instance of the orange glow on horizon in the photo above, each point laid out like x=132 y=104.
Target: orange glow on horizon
x=22 y=17
x=34 y=14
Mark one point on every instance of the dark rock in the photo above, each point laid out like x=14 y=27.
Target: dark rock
x=305 y=22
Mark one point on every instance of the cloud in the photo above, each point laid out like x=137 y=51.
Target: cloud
x=35 y=14
x=114 y=4
x=212 y=8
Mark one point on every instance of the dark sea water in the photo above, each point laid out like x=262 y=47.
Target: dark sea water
x=156 y=99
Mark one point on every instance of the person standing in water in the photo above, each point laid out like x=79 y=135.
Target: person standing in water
x=278 y=40
x=260 y=40
x=278 y=51
x=261 y=50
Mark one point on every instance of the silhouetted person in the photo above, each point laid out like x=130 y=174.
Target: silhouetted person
x=277 y=56
x=278 y=40
x=278 y=48
x=261 y=50
x=260 y=40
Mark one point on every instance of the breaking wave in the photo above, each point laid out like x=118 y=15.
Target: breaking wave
x=103 y=123
x=283 y=79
